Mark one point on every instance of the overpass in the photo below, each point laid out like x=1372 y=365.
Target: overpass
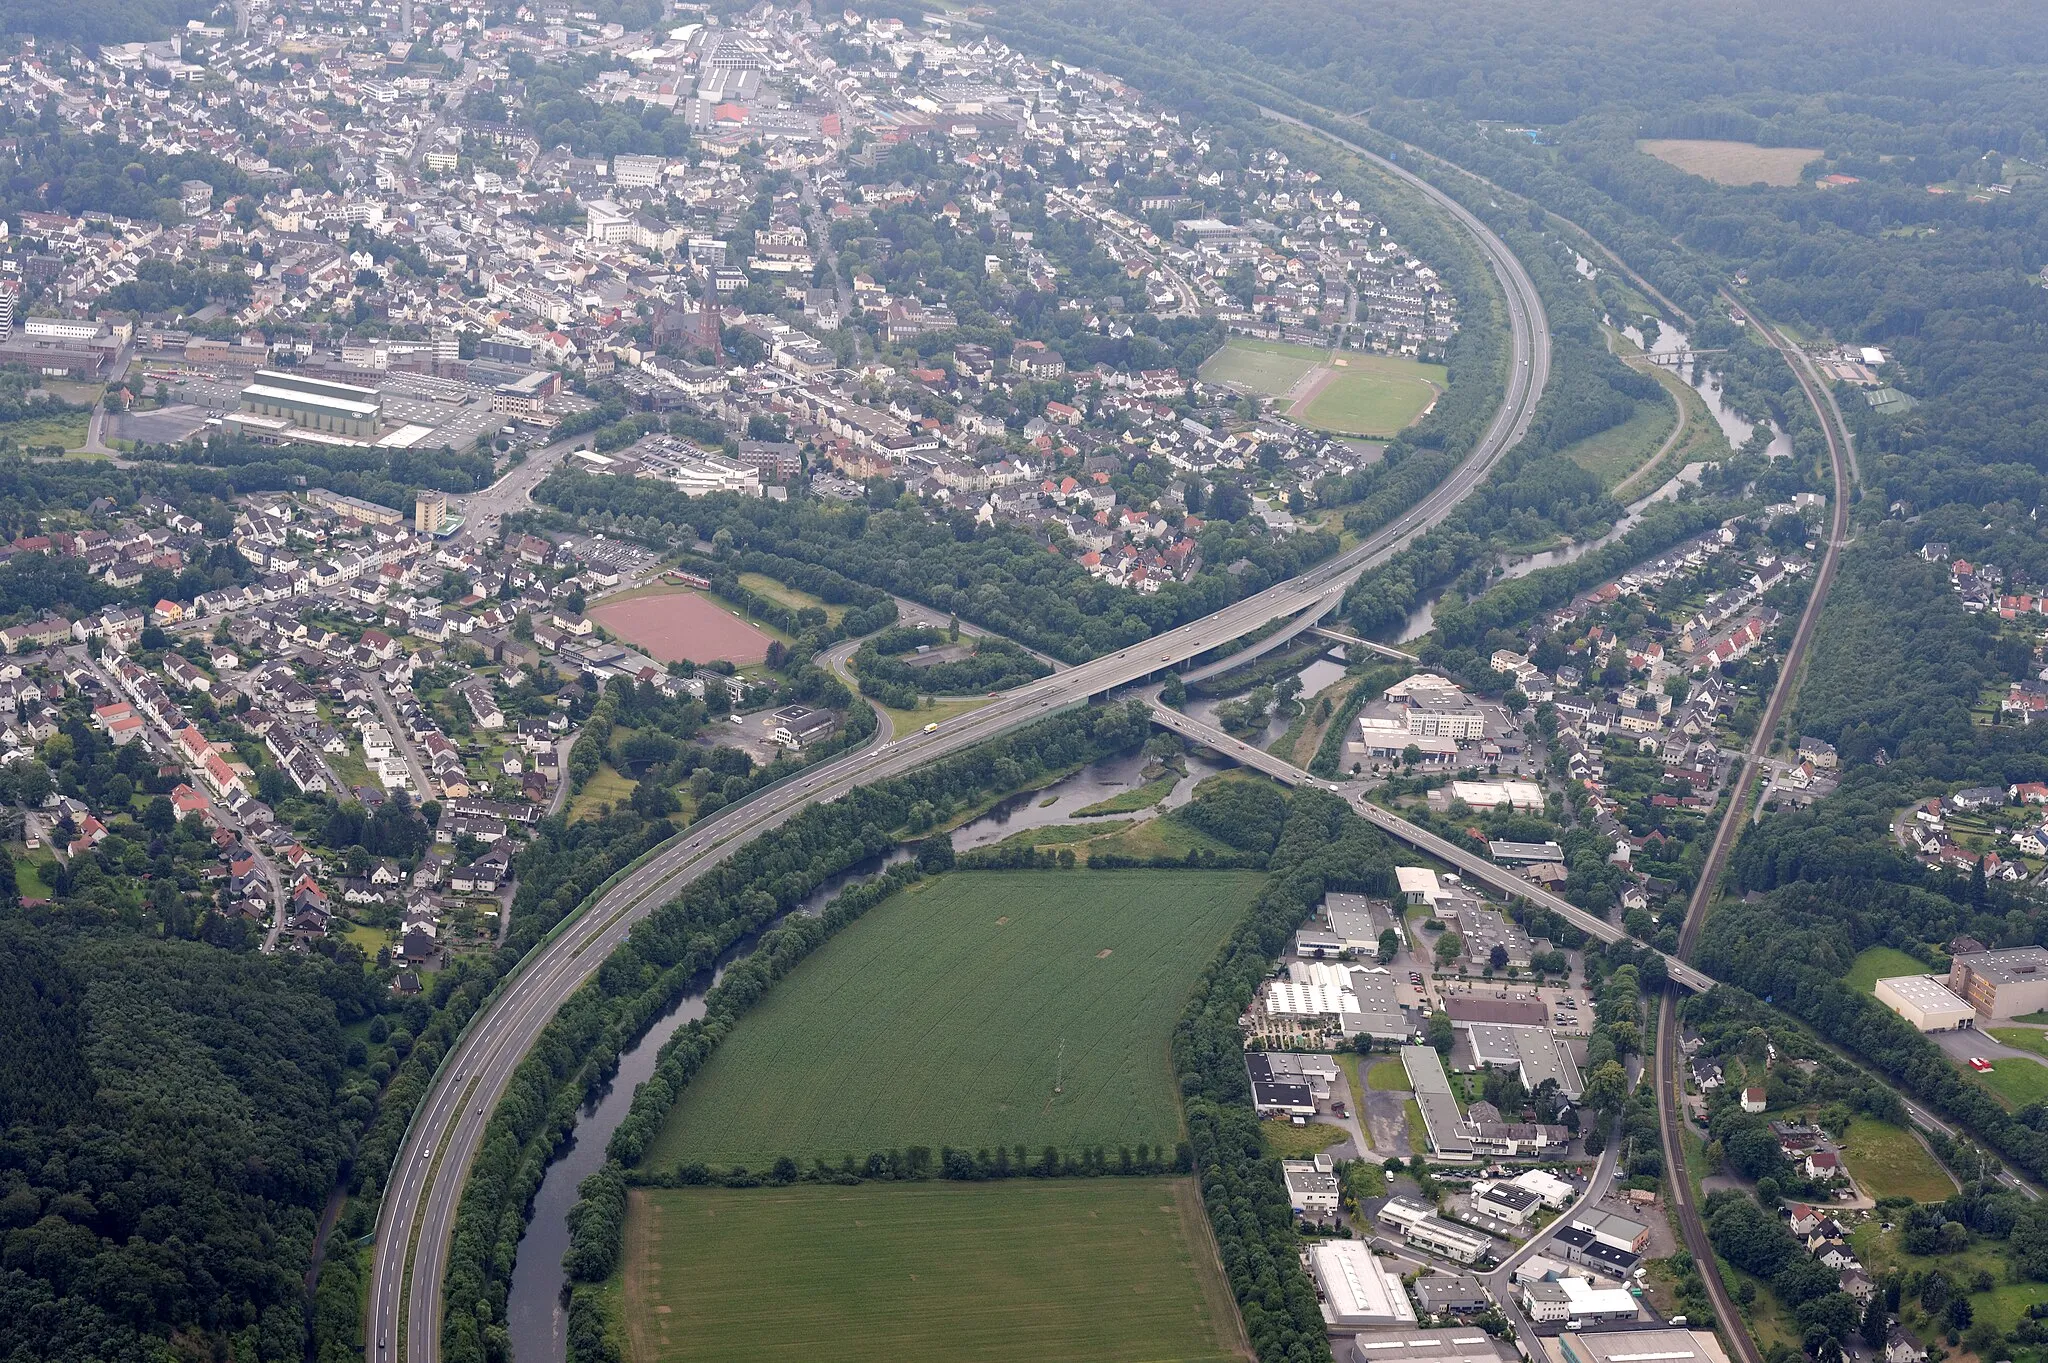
x=1384 y=650
x=416 y=1215
x=1393 y=825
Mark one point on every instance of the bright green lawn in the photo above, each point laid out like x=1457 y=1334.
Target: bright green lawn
x=2015 y=1082
x=1418 y=1130
x=1889 y=1161
x=950 y=1015
x=2026 y=1038
x=1111 y=1270
x=1879 y=963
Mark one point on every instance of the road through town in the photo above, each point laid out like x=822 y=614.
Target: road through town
x=417 y=1216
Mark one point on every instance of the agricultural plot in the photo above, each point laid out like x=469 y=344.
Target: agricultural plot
x=1113 y=1270
x=977 y=1010
x=1731 y=163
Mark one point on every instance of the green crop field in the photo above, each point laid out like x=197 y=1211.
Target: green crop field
x=1374 y=395
x=1268 y=367
x=1889 y=1161
x=1112 y=1270
x=980 y=1009
x=1880 y=963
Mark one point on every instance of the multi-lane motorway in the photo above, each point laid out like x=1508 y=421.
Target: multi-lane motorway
x=417 y=1216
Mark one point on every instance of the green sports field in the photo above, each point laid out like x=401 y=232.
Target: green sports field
x=1366 y=394
x=976 y=1010
x=1374 y=395
x=1112 y=1270
x=1268 y=367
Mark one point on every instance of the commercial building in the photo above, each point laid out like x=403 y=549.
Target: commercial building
x=1926 y=1002
x=1554 y=1191
x=1616 y=1231
x=1418 y=885
x=2002 y=984
x=429 y=510
x=1505 y=1202
x=1580 y=1246
x=1312 y=1186
x=355 y=508
x=312 y=404
x=1576 y=1299
x=1419 y=1225
x=1357 y=1291
x=1358 y=920
x=1636 y=1346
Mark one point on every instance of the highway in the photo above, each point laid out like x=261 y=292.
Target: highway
x=417 y=1215
x=1670 y=1083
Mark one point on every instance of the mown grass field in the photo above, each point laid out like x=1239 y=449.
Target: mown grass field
x=1888 y=1161
x=1615 y=453
x=775 y=590
x=2015 y=1082
x=1376 y=395
x=1879 y=963
x=980 y=1009
x=1730 y=163
x=1269 y=367
x=1112 y=1270
x=1390 y=1076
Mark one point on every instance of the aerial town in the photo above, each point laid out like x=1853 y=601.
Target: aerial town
x=575 y=509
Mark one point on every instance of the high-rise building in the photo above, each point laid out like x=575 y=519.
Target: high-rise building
x=429 y=511
x=9 y=288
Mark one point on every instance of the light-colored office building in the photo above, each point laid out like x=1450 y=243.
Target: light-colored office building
x=2002 y=984
x=1357 y=1290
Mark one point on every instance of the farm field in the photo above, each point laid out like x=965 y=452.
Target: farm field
x=1889 y=1162
x=1370 y=395
x=1619 y=451
x=1730 y=163
x=1878 y=963
x=672 y=624
x=1111 y=1270
x=979 y=1009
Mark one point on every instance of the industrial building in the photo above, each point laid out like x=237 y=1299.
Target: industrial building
x=1419 y=1225
x=1440 y=1114
x=344 y=409
x=1635 y=1346
x=1505 y=1201
x=1554 y=1191
x=1357 y=1291
x=2002 y=984
x=1580 y=1246
x=1440 y=1292
x=1289 y=1084
x=1357 y=920
x=1464 y=1345
x=1926 y=1002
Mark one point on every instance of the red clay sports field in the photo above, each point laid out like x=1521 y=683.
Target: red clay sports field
x=674 y=625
